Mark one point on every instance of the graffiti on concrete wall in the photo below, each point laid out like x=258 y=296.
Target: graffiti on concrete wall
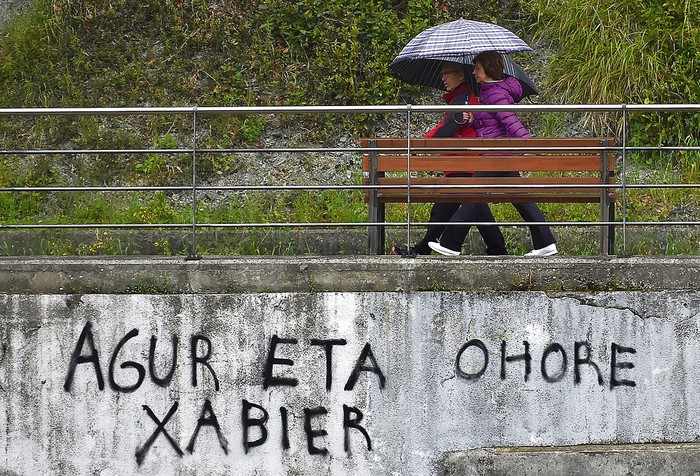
x=554 y=364
x=254 y=417
x=554 y=355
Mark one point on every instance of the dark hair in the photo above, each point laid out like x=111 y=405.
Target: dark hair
x=492 y=62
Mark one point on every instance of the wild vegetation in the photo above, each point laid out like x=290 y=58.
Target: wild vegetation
x=123 y=53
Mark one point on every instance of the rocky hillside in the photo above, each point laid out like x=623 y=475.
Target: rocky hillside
x=9 y=8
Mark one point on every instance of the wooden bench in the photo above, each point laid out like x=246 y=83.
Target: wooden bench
x=556 y=170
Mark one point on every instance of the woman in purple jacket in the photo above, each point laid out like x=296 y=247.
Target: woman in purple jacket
x=496 y=88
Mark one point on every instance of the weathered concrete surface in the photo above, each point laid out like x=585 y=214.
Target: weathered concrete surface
x=637 y=460
x=343 y=274
x=521 y=367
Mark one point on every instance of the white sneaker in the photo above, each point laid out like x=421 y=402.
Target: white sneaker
x=435 y=246
x=546 y=251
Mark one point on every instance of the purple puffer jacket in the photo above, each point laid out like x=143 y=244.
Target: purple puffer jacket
x=501 y=123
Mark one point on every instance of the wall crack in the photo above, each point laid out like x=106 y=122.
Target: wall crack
x=590 y=303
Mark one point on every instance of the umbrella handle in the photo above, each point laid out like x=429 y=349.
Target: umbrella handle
x=467 y=116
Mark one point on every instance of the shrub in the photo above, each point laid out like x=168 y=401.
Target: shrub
x=622 y=52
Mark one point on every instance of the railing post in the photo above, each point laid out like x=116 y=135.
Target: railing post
x=607 y=232
x=624 y=179
x=375 y=233
x=408 y=177
x=192 y=248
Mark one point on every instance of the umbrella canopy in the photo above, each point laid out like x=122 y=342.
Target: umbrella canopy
x=426 y=72
x=458 y=41
x=462 y=37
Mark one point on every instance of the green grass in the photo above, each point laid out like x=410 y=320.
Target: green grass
x=624 y=52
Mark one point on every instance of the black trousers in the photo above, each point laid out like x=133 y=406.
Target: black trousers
x=443 y=212
x=453 y=236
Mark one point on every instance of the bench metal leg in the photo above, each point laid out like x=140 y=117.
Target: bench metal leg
x=607 y=232
x=611 y=230
x=376 y=234
x=604 y=241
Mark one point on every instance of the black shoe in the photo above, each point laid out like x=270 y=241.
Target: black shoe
x=399 y=251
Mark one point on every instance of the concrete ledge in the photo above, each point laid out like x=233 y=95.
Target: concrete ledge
x=176 y=275
x=611 y=460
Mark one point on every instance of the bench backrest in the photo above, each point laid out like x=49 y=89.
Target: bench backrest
x=565 y=170
x=525 y=155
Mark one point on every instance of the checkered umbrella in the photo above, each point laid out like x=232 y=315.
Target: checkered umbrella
x=462 y=37
x=458 y=41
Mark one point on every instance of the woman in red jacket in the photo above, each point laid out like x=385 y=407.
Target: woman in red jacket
x=454 y=77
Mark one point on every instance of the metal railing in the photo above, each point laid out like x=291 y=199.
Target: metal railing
x=198 y=186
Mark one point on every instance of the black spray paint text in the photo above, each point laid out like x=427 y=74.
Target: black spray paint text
x=475 y=356
x=275 y=373
x=253 y=421
x=85 y=352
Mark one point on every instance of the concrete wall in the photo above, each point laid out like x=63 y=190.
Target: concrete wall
x=489 y=381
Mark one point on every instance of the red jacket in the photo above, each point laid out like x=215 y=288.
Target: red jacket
x=453 y=123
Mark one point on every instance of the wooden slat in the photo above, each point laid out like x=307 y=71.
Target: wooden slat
x=534 y=143
x=481 y=198
x=592 y=191
x=492 y=194
x=447 y=181
x=489 y=163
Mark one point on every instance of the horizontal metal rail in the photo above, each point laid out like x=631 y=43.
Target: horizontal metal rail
x=235 y=188
x=389 y=109
x=336 y=150
x=340 y=224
